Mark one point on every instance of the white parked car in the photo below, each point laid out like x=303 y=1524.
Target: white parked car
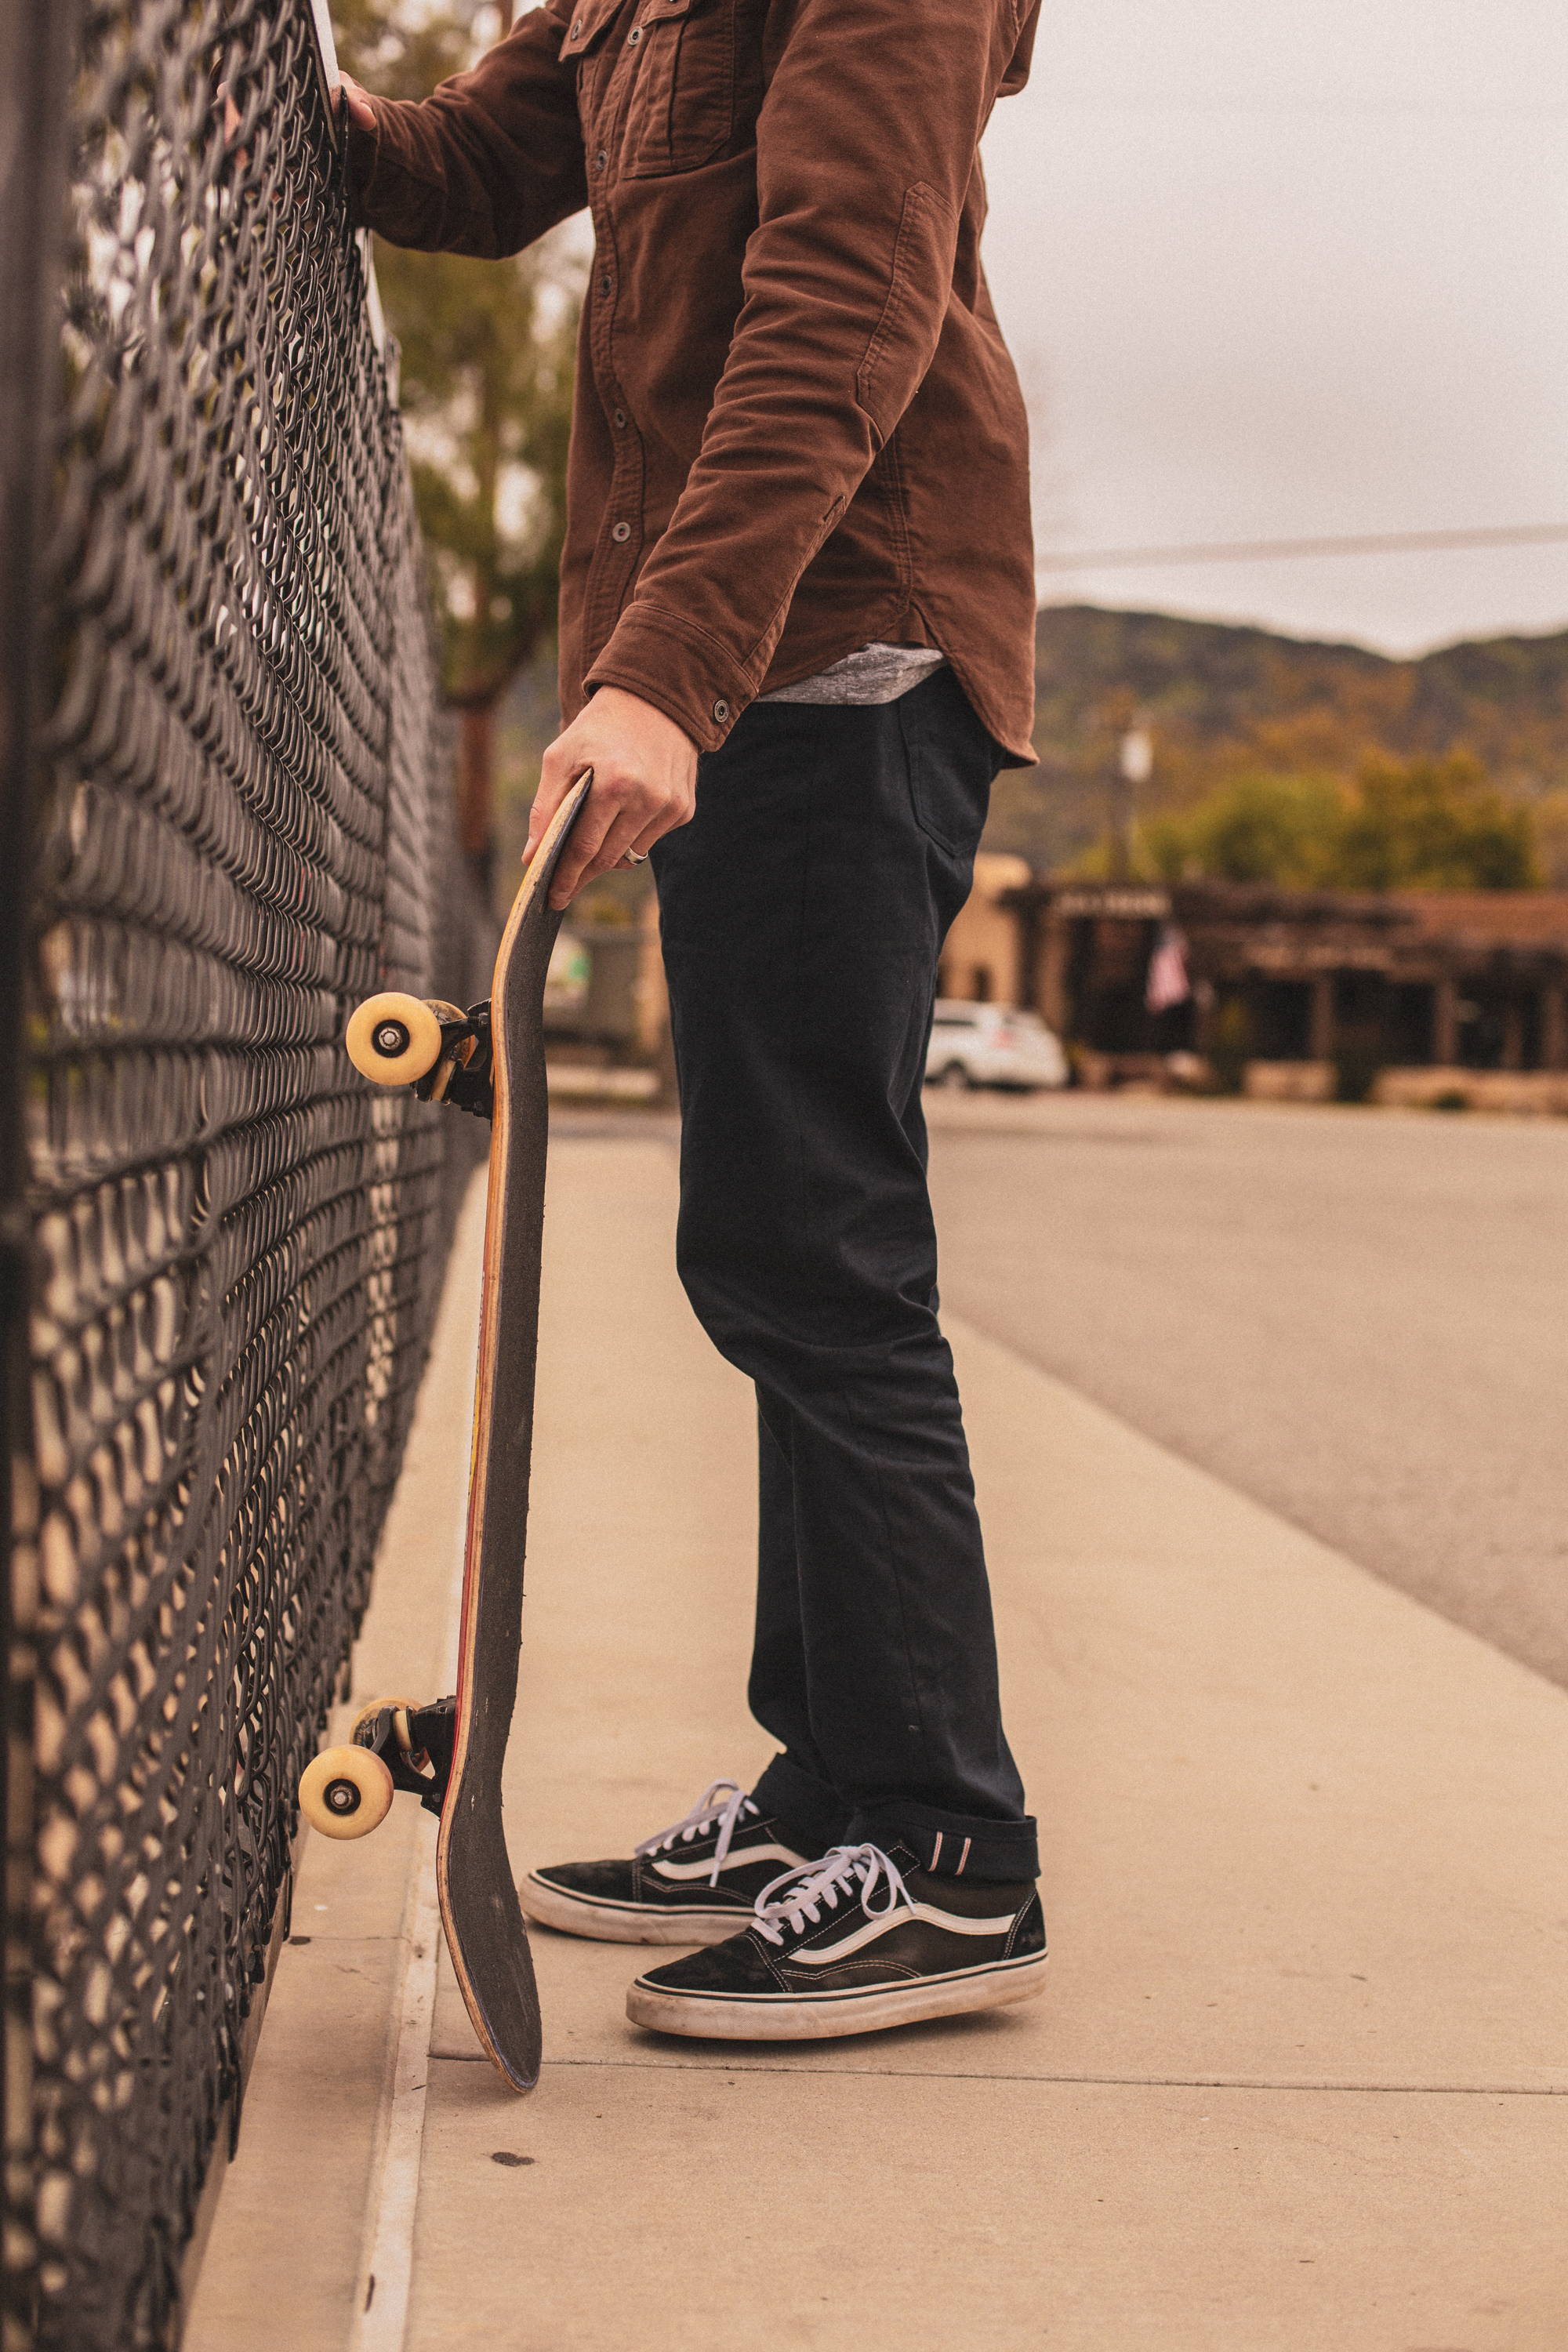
x=992 y=1045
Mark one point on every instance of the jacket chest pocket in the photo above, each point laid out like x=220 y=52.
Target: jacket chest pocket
x=680 y=107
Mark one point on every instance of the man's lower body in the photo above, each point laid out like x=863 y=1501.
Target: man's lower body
x=803 y=910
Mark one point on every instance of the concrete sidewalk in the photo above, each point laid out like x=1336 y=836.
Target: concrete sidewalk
x=1296 y=2082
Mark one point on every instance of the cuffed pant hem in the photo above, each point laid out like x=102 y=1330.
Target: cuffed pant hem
x=947 y=1845
x=950 y=1845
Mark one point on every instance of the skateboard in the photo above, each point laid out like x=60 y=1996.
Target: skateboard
x=448 y=1753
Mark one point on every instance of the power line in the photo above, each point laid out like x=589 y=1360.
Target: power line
x=1361 y=109
x=1268 y=551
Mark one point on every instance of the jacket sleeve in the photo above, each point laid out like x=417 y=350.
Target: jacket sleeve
x=485 y=164
x=866 y=146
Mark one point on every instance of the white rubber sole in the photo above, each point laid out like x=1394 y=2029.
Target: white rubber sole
x=625 y=1923
x=784 y=2017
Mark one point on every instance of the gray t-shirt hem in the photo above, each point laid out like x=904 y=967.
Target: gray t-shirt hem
x=876 y=673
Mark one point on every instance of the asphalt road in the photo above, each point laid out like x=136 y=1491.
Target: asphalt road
x=1359 y=1317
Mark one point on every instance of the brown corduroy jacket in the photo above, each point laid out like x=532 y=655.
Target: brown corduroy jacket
x=798 y=427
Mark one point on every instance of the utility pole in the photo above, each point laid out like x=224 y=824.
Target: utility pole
x=1134 y=766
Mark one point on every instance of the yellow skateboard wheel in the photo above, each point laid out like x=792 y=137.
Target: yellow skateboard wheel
x=345 y=1792
x=394 y=1038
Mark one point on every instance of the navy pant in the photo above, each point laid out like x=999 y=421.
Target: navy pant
x=803 y=910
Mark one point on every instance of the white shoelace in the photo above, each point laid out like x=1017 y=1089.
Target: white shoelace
x=725 y=1803
x=798 y=1896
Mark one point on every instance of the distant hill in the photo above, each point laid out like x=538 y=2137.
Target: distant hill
x=1222 y=700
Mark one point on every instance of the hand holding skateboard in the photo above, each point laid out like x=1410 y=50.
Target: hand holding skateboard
x=643 y=769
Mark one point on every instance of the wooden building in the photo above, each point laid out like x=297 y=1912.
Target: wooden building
x=1296 y=980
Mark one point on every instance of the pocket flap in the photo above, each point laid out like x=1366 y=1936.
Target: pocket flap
x=585 y=23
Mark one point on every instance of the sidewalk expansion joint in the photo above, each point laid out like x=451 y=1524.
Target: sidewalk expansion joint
x=1092 y=2081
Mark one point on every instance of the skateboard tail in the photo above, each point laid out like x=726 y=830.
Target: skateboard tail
x=501 y=1996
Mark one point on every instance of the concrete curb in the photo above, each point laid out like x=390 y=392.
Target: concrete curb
x=318 y=2202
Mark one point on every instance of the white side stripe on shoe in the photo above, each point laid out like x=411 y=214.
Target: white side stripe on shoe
x=823 y=1955
x=711 y=1871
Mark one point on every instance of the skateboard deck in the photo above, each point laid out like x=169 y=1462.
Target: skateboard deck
x=451 y=1753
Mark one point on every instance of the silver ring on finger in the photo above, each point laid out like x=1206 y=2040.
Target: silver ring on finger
x=633 y=857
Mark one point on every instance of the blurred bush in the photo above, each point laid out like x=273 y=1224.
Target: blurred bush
x=1422 y=824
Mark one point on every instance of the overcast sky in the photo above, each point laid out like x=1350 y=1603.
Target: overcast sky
x=1288 y=269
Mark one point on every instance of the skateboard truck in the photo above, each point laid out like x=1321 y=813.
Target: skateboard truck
x=346 y=1792
x=439 y=1050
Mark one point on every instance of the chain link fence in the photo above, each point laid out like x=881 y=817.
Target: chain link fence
x=230 y=786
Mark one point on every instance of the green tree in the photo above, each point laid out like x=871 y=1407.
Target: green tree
x=1257 y=828
x=1550 y=819
x=487 y=370
x=1416 y=825
x=1434 y=824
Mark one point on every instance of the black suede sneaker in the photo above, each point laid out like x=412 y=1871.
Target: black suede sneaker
x=848 y=1945
x=693 y=1883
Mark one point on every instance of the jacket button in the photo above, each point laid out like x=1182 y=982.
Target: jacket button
x=576 y=32
x=621 y=418
x=634 y=36
x=721 y=711
x=622 y=531
x=600 y=160
x=605 y=284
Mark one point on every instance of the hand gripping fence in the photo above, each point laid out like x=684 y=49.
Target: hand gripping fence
x=226 y=820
